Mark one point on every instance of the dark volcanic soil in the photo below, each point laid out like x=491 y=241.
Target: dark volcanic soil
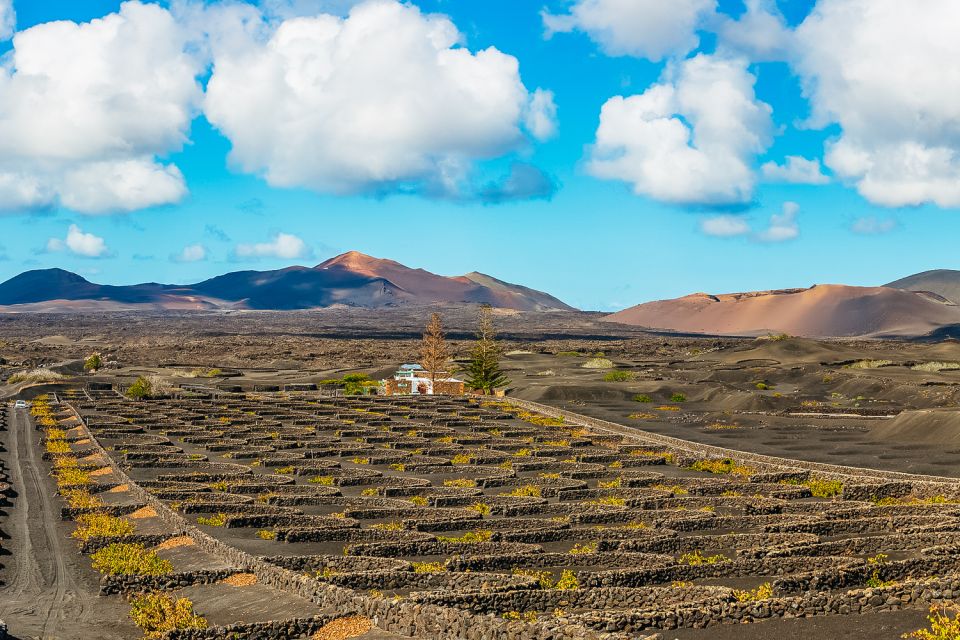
x=47 y=589
x=826 y=401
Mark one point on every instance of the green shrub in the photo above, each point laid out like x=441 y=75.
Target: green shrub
x=723 y=465
x=870 y=364
x=121 y=559
x=158 y=613
x=93 y=362
x=642 y=397
x=763 y=592
x=618 y=376
x=97 y=525
x=942 y=626
x=217 y=520
x=429 y=567
x=825 y=488
x=544 y=578
x=525 y=491
x=568 y=581
x=140 y=389
x=470 y=537
x=678 y=397
x=697 y=558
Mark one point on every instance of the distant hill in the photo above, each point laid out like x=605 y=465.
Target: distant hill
x=818 y=311
x=352 y=279
x=943 y=282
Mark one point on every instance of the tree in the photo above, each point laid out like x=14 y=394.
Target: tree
x=434 y=354
x=93 y=362
x=483 y=372
x=140 y=389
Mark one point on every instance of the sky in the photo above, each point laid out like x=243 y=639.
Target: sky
x=610 y=152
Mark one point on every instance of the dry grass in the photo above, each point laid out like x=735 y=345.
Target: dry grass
x=344 y=628
x=173 y=543
x=240 y=580
x=103 y=471
x=120 y=488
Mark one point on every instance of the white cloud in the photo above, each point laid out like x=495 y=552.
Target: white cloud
x=780 y=228
x=885 y=70
x=692 y=139
x=385 y=99
x=191 y=253
x=283 y=245
x=783 y=226
x=85 y=245
x=651 y=29
x=873 y=226
x=8 y=19
x=725 y=226
x=23 y=191
x=795 y=169
x=760 y=34
x=86 y=110
x=126 y=185
x=541 y=115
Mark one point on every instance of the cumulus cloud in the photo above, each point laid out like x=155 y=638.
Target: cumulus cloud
x=761 y=33
x=283 y=245
x=651 y=29
x=783 y=226
x=87 y=109
x=725 y=226
x=873 y=226
x=85 y=245
x=541 y=115
x=8 y=19
x=882 y=70
x=795 y=169
x=691 y=139
x=385 y=99
x=190 y=253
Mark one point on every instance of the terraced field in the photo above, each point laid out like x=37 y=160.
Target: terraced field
x=284 y=514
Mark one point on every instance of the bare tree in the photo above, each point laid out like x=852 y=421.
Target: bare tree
x=434 y=354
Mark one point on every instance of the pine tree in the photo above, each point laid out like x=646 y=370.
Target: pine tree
x=483 y=372
x=434 y=354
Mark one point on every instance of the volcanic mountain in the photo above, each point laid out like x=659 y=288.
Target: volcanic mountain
x=352 y=279
x=818 y=311
x=943 y=282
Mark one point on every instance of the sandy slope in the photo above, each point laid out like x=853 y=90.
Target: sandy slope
x=819 y=311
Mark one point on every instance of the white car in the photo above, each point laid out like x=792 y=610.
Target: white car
x=20 y=404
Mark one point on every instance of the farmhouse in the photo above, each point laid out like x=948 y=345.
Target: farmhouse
x=413 y=379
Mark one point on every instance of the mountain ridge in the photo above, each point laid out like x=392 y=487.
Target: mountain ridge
x=352 y=279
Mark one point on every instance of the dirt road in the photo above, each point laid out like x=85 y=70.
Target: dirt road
x=48 y=589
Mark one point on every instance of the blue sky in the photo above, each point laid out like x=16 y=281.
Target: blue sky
x=598 y=243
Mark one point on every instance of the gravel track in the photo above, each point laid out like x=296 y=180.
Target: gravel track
x=48 y=589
